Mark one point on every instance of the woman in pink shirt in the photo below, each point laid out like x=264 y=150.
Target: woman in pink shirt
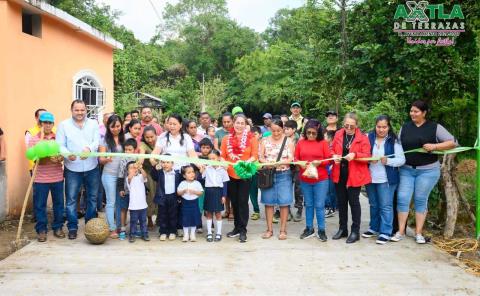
x=313 y=148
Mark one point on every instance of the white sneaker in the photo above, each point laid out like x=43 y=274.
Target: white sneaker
x=419 y=239
x=185 y=237
x=193 y=238
x=172 y=236
x=163 y=237
x=397 y=237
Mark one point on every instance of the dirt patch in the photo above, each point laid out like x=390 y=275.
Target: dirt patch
x=467 y=166
x=8 y=231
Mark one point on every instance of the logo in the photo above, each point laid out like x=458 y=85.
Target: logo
x=429 y=24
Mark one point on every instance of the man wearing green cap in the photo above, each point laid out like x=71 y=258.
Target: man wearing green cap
x=48 y=179
x=296 y=109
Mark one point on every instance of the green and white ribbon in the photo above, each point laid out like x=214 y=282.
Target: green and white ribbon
x=244 y=169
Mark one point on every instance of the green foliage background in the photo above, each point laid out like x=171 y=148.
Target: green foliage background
x=298 y=58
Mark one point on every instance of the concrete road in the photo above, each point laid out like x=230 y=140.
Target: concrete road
x=258 y=267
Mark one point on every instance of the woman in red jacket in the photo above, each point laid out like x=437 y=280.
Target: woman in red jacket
x=350 y=174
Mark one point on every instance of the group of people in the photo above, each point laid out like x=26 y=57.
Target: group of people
x=317 y=167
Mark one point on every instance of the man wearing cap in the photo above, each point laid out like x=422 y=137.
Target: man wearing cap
x=267 y=121
x=332 y=119
x=48 y=179
x=79 y=134
x=296 y=109
x=33 y=131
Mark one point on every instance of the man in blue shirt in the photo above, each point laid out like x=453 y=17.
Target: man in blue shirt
x=74 y=135
x=267 y=121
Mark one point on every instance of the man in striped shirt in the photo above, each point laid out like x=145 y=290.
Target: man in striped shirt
x=48 y=178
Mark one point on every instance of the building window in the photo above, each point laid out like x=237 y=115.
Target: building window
x=31 y=24
x=88 y=90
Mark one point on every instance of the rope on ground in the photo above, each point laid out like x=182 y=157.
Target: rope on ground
x=457 y=247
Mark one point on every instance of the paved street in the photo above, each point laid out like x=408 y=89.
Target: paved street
x=259 y=267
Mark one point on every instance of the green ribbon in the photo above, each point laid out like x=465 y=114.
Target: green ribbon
x=421 y=150
x=161 y=157
x=244 y=169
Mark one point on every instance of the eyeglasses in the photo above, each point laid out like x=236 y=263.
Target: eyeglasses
x=311 y=133
x=349 y=126
x=47 y=122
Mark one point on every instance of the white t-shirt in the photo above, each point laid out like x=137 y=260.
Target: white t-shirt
x=194 y=185
x=173 y=147
x=138 y=197
x=214 y=177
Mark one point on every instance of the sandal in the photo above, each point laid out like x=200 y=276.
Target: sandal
x=282 y=235
x=231 y=217
x=209 y=238
x=267 y=234
x=218 y=237
x=113 y=234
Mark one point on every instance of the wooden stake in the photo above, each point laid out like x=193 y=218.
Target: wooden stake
x=27 y=194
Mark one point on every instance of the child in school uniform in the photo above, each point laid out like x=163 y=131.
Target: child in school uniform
x=216 y=179
x=190 y=189
x=166 y=198
x=121 y=204
x=135 y=183
x=206 y=146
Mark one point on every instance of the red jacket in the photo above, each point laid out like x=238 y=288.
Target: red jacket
x=358 y=172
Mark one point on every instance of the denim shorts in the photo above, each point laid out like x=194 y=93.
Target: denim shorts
x=122 y=202
x=281 y=193
x=417 y=183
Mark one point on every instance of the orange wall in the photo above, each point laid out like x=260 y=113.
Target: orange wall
x=38 y=73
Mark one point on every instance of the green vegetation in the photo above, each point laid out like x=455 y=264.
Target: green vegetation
x=305 y=54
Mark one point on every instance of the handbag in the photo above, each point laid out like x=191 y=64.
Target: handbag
x=265 y=175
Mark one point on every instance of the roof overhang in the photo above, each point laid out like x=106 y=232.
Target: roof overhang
x=44 y=8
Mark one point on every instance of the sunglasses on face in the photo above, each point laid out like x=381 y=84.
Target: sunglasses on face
x=349 y=126
x=311 y=133
x=47 y=122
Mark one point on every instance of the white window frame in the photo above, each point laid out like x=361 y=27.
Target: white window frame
x=90 y=81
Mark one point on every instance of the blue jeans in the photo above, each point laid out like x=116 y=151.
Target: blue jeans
x=110 y=184
x=380 y=197
x=418 y=183
x=331 y=201
x=314 y=196
x=73 y=183
x=138 y=216
x=40 y=196
x=100 y=194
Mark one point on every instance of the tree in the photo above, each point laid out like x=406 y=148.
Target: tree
x=216 y=101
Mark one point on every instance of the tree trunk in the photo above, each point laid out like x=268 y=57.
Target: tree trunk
x=451 y=194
